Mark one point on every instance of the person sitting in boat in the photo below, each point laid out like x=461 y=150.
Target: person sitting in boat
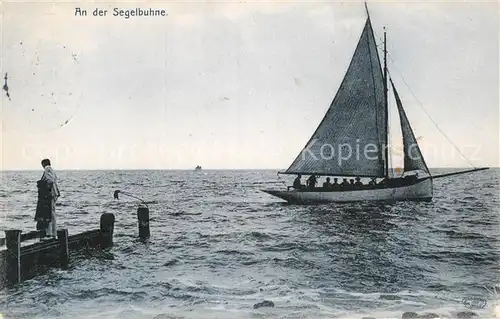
x=296 y=183
x=372 y=182
x=358 y=182
x=351 y=182
x=335 y=183
x=345 y=183
x=327 y=184
x=410 y=179
x=312 y=181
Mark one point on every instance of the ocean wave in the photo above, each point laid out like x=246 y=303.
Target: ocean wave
x=218 y=247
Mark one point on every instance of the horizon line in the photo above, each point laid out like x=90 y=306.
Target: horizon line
x=192 y=169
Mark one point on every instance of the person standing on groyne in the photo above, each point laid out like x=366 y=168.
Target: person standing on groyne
x=48 y=193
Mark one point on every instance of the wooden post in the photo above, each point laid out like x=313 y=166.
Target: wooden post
x=13 y=243
x=62 y=236
x=143 y=221
x=107 y=227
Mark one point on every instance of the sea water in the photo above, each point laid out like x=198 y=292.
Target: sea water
x=219 y=245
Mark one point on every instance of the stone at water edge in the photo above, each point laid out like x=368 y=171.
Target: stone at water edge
x=265 y=303
x=165 y=316
x=466 y=314
x=428 y=316
x=409 y=314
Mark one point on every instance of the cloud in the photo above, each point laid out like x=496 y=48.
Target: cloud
x=159 y=81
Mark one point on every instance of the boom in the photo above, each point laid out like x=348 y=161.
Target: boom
x=457 y=173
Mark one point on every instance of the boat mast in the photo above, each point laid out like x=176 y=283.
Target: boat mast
x=385 y=155
x=386 y=146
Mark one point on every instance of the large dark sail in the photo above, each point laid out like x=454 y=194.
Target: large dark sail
x=413 y=158
x=349 y=140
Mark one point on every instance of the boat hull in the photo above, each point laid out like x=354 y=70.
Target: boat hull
x=419 y=191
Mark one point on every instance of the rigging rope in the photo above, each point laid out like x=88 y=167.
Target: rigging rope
x=422 y=107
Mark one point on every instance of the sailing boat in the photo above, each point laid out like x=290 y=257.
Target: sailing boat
x=351 y=140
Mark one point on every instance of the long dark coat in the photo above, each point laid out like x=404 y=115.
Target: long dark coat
x=43 y=214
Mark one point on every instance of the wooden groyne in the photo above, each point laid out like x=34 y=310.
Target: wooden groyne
x=19 y=263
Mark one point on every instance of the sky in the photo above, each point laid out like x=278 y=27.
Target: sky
x=235 y=85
